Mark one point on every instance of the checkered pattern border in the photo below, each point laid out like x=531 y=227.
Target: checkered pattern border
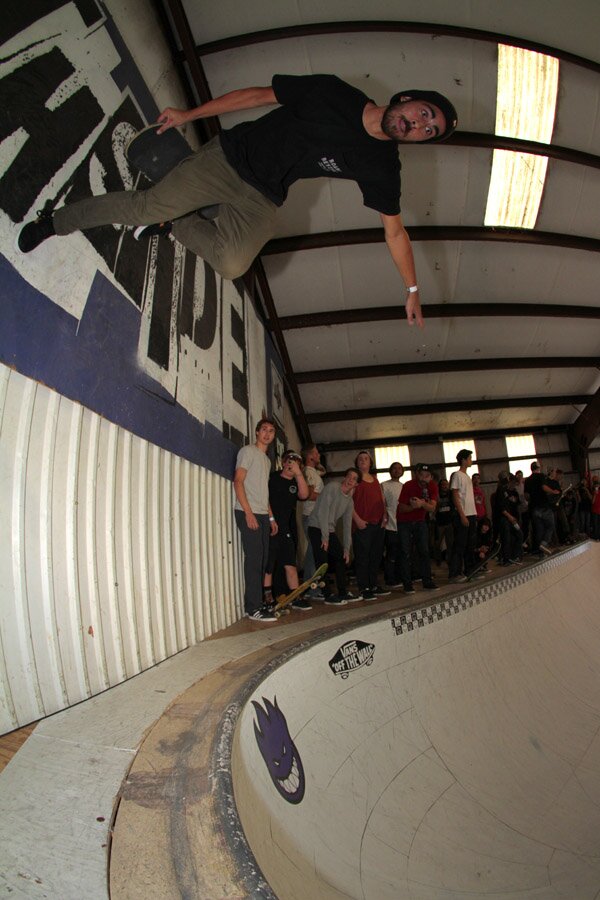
x=418 y=618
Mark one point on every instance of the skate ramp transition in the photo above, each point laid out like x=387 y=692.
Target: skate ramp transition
x=452 y=752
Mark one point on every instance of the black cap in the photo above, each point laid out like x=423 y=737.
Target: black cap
x=422 y=467
x=438 y=100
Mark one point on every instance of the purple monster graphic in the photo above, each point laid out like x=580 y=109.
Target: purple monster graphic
x=279 y=751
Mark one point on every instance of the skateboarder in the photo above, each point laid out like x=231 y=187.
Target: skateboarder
x=323 y=127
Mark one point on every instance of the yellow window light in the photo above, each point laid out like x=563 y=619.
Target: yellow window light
x=525 y=109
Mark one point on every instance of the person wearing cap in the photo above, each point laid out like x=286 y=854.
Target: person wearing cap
x=418 y=497
x=506 y=507
x=322 y=127
x=541 y=495
x=285 y=489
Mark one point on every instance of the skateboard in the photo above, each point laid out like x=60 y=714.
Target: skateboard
x=154 y=155
x=494 y=552
x=283 y=601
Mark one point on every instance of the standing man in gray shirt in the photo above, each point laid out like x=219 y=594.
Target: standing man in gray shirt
x=254 y=517
x=334 y=503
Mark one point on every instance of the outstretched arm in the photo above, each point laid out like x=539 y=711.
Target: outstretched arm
x=246 y=98
x=400 y=247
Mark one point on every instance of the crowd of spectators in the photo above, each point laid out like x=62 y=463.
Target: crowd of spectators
x=393 y=527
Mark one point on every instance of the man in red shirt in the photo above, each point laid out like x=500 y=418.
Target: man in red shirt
x=479 y=497
x=418 y=497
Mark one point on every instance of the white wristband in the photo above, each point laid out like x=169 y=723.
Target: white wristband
x=271 y=518
x=413 y=289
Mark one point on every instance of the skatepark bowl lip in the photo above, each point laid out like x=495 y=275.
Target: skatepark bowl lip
x=239 y=790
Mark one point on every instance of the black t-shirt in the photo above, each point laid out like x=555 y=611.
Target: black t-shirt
x=538 y=498
x=507 y=500
x=283 y=496
x=316 y=132
x=444 y=509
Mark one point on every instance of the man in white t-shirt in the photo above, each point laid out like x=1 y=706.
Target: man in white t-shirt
x=312 y=475
x=464 y=520
x=391 y=494
x=253 y=516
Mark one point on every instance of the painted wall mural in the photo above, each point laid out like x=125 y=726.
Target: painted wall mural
x=146 y=334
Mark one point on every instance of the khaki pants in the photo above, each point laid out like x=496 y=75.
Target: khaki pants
x=229 y=244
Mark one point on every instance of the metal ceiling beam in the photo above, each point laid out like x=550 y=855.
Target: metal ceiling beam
x=416 y=439
x=425 y=409
x=351 y=237
x=390 y=27
x=499 y=142
x=439 y=311
x=450 y=365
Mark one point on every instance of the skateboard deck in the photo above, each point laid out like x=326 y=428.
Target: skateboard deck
x=494 y=552
x=284 y=600
x=156 y=154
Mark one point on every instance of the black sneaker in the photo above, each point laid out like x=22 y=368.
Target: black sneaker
x=209 y=212
x=148 y=231
x=381 y=591
x=301 y=603
x=35 y=233
x=409 y=589
x=335 y=600
x=430 y=586
x=264 y=614
x=350 y=598
x=368 y=594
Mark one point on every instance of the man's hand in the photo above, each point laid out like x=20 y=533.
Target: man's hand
x=360 y=523
x=464 y=521
x=171 y=118
x=325 y=545
x=252 y=521
x=274 y=528
x=347 y=557
x=413 y=310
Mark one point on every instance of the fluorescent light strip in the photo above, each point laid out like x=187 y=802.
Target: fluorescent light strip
x=525 y=109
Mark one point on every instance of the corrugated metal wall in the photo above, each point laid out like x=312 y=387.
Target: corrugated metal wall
x=114 y=554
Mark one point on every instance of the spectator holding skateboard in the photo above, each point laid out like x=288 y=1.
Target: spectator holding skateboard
x=334 y=503
x=322 y=127
x=285 y=489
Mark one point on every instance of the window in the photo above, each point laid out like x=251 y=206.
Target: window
x=521 y=453
x=451 y=448
x=385 y=456
x=525 y=109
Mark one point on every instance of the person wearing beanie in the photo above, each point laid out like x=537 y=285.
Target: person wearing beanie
x=322 y=127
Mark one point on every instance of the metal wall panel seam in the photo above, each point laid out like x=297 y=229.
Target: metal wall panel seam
x=52 y=685
x=8 y=714
x=141 y=526
x=167 y=597
x=204 y=553
x=155 y=502
x=108 y=577
x=90 y=601
x=187 y=573
x=227 y=554
x=71 y=633
x=124 y=555
x=22 y=665
x=176 y=557
x=200 y=631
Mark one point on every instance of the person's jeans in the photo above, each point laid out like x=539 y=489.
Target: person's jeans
x=391 y=564
x=463 y=546
x=333 y=556
x=255 y=544
x=543 y=524
x=511 y=540
x=368 y=550
x=229 y=244
x=419 y=533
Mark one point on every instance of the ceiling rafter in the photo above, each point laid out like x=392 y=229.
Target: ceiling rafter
x=318 y=376
x=392 y=27
x=425 y=409
x=437 y=437
x=439 y=311
x=352 y=236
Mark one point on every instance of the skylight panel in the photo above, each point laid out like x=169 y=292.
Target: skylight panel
x=525 y=109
